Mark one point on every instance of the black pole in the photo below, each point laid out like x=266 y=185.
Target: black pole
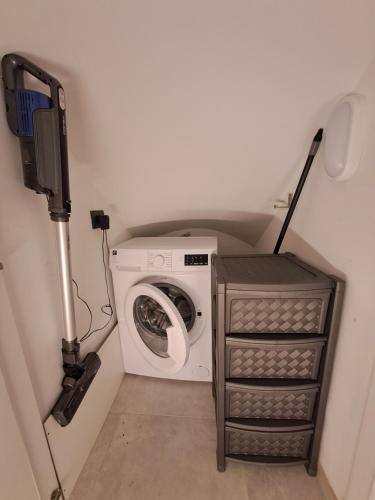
x=313 y=150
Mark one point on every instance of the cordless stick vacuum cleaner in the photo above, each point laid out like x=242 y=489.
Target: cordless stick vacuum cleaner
x=38 y=120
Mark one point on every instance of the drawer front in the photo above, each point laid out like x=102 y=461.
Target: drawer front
x=276 y=444
x=278 y=360
x=277 y=403
x=277 y=313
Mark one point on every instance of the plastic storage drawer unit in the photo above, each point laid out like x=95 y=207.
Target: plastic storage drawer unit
x=275 y=331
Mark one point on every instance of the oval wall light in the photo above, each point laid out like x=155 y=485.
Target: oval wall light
x=344 y=137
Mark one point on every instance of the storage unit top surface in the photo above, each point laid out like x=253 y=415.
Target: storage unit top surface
x=283 y=272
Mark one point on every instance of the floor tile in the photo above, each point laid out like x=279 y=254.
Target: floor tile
x=296 y=484
x=159 y=442
x=153 y=396
x=166 y=458
x=95 y=460
x=262 y=483
x=281 y=483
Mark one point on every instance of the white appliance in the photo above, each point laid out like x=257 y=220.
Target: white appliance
x=163 y=300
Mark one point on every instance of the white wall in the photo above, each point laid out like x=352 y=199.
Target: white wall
x=333 y=228
x=217 y=99
x=16 y=476
x=21 y=393
x=362 y=479
x=179 y=108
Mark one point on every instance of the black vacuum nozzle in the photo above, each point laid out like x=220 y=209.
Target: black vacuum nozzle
x=75 y=389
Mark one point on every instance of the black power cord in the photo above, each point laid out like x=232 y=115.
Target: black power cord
x=109 y=305
x=109 y=312
x=86 y=304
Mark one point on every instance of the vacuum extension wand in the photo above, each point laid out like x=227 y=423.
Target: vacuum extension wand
x=313 y=150
x=39 y=121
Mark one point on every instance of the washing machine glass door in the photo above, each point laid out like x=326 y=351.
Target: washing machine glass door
x=157 y=328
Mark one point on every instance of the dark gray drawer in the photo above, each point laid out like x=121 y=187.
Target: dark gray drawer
x=276 y=312
x=270 y=443
x=295 y=359
x=274 y=402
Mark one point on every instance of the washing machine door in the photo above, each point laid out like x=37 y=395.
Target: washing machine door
x=157 y=328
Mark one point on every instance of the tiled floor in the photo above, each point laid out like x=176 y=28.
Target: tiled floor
x=158 y=442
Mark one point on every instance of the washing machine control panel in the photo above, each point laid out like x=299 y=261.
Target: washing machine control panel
x=159 y=260
x=200 y=259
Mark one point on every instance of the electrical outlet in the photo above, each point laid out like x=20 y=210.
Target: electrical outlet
x=95 y=221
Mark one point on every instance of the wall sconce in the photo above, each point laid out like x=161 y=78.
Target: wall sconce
x=344 y=137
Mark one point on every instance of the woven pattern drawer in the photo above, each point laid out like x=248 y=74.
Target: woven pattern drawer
x=250 y=359
x=244 y=401
x=278 y=315
x=276 y=444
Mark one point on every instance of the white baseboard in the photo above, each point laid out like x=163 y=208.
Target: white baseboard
x=325 y=485
x=71 y=445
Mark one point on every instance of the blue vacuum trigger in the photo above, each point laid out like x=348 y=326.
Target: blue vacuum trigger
x=27 y=101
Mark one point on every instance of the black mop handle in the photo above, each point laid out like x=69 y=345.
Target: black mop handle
x=313 y=150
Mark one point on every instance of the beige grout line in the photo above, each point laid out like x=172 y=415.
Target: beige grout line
x=161 y=415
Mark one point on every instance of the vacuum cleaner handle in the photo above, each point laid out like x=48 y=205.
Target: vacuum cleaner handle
x=13 y=68
x=44 y=149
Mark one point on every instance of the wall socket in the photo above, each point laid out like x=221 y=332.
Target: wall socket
x=99 y=220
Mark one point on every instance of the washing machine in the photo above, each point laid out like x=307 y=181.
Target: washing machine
x=163 y=301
